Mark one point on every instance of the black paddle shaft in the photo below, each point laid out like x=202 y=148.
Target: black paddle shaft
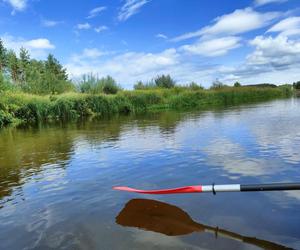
x=270 y=187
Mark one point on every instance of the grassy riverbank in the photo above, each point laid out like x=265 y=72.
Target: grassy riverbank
x=18 y=107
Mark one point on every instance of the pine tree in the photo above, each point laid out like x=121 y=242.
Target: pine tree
x=53 y=66
x=55 y=77
x=24 y=64
x=13 y=65
x=3 y=57
x=34 y=77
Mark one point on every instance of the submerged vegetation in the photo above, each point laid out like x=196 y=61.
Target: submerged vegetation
x=36 y=91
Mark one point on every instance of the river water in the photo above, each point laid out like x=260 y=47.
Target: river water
x=56 y=181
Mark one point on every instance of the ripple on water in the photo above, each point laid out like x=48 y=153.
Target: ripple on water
x=55 y=189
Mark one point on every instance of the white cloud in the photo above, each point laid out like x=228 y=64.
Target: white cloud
x=213 y=47
x=279 y=52
x=96 y=11
x=233 y=158
x=287 y=27
x=160 y=35
x=292 y=194
x=17 y=5
x=50 y=23
x=283 y=140
x=92 y=53
x=38 y=48
x=274 y=59
x=270 y=56
x=253 y=74
x=129 y=67
x=165 y=242
x=40 y=43
x=130 y=8
x=126 y=67
x=101 y=28
x=263 y=2
x=83 y=26
x=237 y=22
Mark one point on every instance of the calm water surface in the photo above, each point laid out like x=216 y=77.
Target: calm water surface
x=55 y=181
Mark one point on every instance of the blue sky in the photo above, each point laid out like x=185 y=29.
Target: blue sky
x=250 y=41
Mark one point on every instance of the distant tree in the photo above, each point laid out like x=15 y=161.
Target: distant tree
x=35 y=77
x=164 y=81
x=53 y=67
x=4 y=83
x=109 y=85
x=24 y=62
x=93 y=85
x=296 y=85
x=13 y=65
x=217 y=85
x=2 y=64
x=55 y=78
x=88 y=83
x=261 y=85
x=139 y=85
x=3 y=56
x=237 y=84
x=195 y=86
x=1 y=82
x=145 y=85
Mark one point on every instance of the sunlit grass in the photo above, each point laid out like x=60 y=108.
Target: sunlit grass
x=22 y=107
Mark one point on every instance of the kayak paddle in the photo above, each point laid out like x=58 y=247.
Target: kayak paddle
x=217 y=188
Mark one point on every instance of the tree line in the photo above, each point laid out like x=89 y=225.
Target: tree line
x=20 y=71
x=31 y=75
x=42 y=77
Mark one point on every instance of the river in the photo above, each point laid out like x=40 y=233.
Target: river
x=56 y=181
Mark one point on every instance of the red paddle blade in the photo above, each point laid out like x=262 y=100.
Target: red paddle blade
x=187 y=189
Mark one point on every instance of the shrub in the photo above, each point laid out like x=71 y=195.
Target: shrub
x=5 y=85
x=34 y=111
x=139 y=85
x=88 y=83
x=109 y=85
x=217 y=85
x=164 y=81
x=63 y=109
x=99 y=104
x=144 y=86
x=122 y=104
x=92 y=85
x=237 y=84
x=195 y=86
x=32 y=108
x=5 y=118
x=296 y=85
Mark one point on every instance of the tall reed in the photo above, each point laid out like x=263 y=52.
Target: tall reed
x=26 y=108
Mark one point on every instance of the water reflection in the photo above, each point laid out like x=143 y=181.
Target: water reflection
x=234 y=159
x=25 y=152
x=55 y=180
x=160 y=217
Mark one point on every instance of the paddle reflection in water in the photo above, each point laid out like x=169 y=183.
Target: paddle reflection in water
x=170 y=220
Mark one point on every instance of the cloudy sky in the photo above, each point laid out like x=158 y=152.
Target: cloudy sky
x=251 y=41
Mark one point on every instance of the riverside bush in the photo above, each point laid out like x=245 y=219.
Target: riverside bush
x=23 y=107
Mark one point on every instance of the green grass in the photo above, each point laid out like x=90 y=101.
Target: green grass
x=17 y=107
